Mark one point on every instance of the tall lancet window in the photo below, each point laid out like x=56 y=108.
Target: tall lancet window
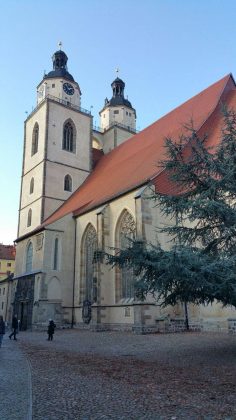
x=125 y=275
x=68 y=183
x=89 y=271
x=31 y=185
x=29 y=218
x=35 y=139
x=68 y=142
x=55 y=257
x=29 y=257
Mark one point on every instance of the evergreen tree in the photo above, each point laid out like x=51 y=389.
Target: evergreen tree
x=201 y=264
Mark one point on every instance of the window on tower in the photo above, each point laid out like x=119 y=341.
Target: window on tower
x=68 y=143
x=67 y=183
x=29 y=219
x=35 y=139
x=55 y=257
x=31 y=185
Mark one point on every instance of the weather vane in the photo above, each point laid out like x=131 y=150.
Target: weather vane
x=60 y=44
x=117 y=71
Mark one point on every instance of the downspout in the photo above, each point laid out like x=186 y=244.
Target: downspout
x=73 y=292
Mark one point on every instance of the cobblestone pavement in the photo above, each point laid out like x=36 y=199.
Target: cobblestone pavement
x=15 y=382
x=108 y=375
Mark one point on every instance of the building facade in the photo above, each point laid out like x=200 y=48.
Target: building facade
x=7 y=260
x=7 y=269
x=85 y=191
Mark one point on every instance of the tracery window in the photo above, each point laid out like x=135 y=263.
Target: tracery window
x=67 y=183
x=29 y=218
x=68 y=142
x=89 y=248
x=29 y=257
x=31 y=185
x=55 y=257
x=35 y=139
x=126 y=231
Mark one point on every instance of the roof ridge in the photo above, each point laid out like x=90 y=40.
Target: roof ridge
x=228 y=76
x=190 y=99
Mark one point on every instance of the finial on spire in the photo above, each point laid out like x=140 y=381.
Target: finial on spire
x=60 y=44
x=117 y=71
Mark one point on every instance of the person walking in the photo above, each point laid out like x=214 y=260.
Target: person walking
x=51 y=328
x=14 y=326
x=2 y=329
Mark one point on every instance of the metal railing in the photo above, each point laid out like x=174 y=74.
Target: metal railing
x=69 y=104
x=112 y=124
x=61 y=101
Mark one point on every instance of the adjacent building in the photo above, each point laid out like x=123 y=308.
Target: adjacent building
x=7 y=260
x=7 y=268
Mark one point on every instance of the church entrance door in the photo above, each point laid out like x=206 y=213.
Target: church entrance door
x=24 y=298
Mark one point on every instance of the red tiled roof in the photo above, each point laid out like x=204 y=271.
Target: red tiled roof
x=134 y=162
x=7 y=252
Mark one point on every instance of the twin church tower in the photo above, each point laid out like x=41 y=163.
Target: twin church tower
x=61 y=145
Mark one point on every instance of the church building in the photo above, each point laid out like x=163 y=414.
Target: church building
x=84 y=191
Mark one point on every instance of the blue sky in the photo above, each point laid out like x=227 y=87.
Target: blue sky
x=167 y=51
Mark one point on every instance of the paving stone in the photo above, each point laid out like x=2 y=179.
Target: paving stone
x=15 y=382
x=84 y=375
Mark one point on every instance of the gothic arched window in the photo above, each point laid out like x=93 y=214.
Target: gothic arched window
x=55 y=256
x=31 y=185
x=89 y=274
x=67 y=183
x=125 y=276
x=29 y=257
x=29 y=218
x=35 y=139
x=68 y=142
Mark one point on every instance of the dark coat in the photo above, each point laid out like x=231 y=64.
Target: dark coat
x=2 y=327
x=51 y=327
x=14 y=323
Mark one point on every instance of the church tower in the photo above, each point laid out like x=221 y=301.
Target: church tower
x=118 y=110
x=117 y=120
x=57 y=146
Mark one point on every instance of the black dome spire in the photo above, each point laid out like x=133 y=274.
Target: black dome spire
x=59 y=60
x=118 y=87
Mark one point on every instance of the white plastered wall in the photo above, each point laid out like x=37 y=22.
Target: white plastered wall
x=118 y=114
x=114 y=137
x=54 y=87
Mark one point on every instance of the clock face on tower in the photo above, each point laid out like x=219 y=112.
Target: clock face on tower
x=68 y=88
